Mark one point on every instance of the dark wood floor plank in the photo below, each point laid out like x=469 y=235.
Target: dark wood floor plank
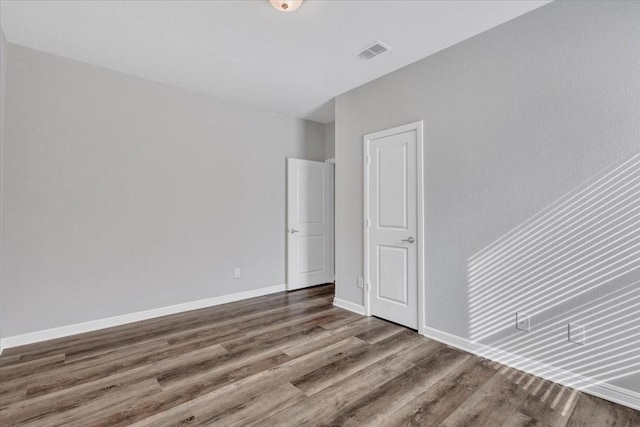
x=491 y=405
x=290 y=316
x=421 y=349
x=254 y=410
x=8 y=360
x=518 y=419
x=55 y=379
x=590 y=410
x=319 y=408
x=375 y=406
x=554 y=409
x=87 y=392
x=328 y=338
x=349 y=317
x=186 y=355
x=69 y=409
x=11 y=397
x=102 y=412
x=227 y=397
x=437 y=402
x=325 y=376
x=275 y=337
x=634 y=420
x=9 y=372
x=174 y=397
x=116 y=353
x=286 y=359
x=227 y=371
x=381 y=331
x=93 y=363
x=173 y=417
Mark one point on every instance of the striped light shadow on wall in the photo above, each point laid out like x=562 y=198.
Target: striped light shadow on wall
x=611 y=351
x=577 y=261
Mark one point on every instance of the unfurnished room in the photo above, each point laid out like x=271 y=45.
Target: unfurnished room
x=320 y=213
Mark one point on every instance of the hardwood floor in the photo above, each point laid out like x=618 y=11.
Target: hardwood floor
x=287 y=359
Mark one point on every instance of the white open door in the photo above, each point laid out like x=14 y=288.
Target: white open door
x=309 y=223
x=392 y=231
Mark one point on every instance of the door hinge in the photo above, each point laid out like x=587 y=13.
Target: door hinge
x=368 y=222
x=368 y=287
x=368 y=159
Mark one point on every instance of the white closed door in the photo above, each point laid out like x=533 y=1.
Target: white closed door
x=309 y=223
x=392 y=227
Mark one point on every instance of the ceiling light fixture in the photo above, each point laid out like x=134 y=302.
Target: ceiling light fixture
x=286 y=5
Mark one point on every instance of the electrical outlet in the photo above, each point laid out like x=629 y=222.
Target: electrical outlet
x=236 y=273
x=360 y=282
x=576 y=333
x=523 y=322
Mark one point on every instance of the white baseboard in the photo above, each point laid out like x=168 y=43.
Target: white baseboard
x=356 y=308
x=93 y=325
x=588 y=385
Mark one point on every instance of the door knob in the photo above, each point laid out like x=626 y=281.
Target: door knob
x=410 y=240
x=293 y=231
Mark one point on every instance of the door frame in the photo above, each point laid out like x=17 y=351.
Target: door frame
x=419 y=128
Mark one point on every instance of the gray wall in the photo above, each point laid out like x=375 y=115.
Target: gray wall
x=123 y=194
x=330 y=140
x=516 y=119
x=3 y=74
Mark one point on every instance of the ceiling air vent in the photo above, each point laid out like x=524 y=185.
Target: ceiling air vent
x=378 y=48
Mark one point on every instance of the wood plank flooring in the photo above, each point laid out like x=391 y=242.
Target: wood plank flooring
x=288 y=359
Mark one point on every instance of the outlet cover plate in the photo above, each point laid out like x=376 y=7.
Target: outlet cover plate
x=523 y=322
x=576 y=333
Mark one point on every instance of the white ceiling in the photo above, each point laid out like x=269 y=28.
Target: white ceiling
x=246 y=51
